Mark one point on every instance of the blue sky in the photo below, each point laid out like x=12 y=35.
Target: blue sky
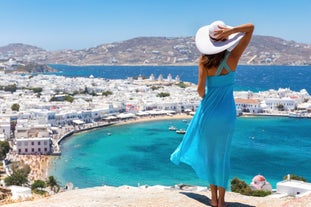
x=80 y=24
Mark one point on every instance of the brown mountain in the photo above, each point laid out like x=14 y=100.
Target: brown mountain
x=263 y=50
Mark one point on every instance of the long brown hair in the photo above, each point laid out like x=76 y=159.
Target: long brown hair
x=211 y=61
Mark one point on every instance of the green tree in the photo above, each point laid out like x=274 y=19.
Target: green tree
x=68 y=98
x=163 y=94
x=38 y=187
x=15 y=179
x=38 y=184
x=19 y=175
x=182 y=85
x=280 y=107
x=15 y=107
x=12 y=88
x=4 y=149
x=107 y=93
x=295 y=177
x=52 y=183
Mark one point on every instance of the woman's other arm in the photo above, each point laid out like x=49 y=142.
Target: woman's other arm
x=237 y=52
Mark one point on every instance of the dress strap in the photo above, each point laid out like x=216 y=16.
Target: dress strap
x=223 y=65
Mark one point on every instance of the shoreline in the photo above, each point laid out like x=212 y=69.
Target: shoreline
x=46 y=160
x=154 y=118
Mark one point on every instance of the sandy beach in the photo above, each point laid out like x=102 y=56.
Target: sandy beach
x=155 y=118
x=38 y=164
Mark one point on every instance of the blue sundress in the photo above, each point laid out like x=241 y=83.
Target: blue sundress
x=206 y=144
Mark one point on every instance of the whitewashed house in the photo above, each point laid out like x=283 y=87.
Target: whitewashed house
x=248 y=105
x=65 y=117
x=293 y=187
x=287 y=103
x=98 y=113
x=32 y=138
x=35 y=145
x=26 y=128
x=5 y=127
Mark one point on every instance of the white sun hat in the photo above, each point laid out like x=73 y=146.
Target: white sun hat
x=205 y=43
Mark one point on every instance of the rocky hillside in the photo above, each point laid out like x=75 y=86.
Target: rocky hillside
x=263 y=50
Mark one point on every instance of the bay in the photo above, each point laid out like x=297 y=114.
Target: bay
x=138 y=154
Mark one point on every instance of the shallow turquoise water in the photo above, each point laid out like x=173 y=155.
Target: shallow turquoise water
x=138 y=154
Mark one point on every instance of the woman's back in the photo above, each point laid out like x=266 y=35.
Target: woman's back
x=222 y=76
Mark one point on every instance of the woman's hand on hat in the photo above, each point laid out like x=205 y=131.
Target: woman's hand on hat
x=222 y=34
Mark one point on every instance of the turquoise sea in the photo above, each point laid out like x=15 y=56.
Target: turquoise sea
x=138 y=154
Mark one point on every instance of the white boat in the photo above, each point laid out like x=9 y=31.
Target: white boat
x=181 y=131
x=172 y=128
x=295 y=114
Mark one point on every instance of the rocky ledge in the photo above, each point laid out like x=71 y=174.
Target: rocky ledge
x=155 y=196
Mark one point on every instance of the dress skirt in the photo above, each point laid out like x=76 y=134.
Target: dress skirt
x=206 y=144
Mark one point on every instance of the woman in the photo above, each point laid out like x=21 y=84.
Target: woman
x=206 y=144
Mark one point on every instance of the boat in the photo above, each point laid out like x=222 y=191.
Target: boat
x=181 y=131
x=172 y=128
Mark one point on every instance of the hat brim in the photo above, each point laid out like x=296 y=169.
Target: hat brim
x=209 y=47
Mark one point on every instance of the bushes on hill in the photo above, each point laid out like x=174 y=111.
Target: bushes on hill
x=19 y=175
x=239 y=186
x=295 y=177
x=4 y=149
x=38 y=187
x=163 y=94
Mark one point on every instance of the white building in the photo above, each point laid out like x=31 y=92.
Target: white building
x=287 y=103
x=36 y=145
x=248 y=105
x=293 y=187
x=20 y=193
x=32 y=138
x=5 y=127
x=27 y=128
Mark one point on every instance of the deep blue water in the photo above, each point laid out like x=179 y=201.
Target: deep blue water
x=254 y=78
